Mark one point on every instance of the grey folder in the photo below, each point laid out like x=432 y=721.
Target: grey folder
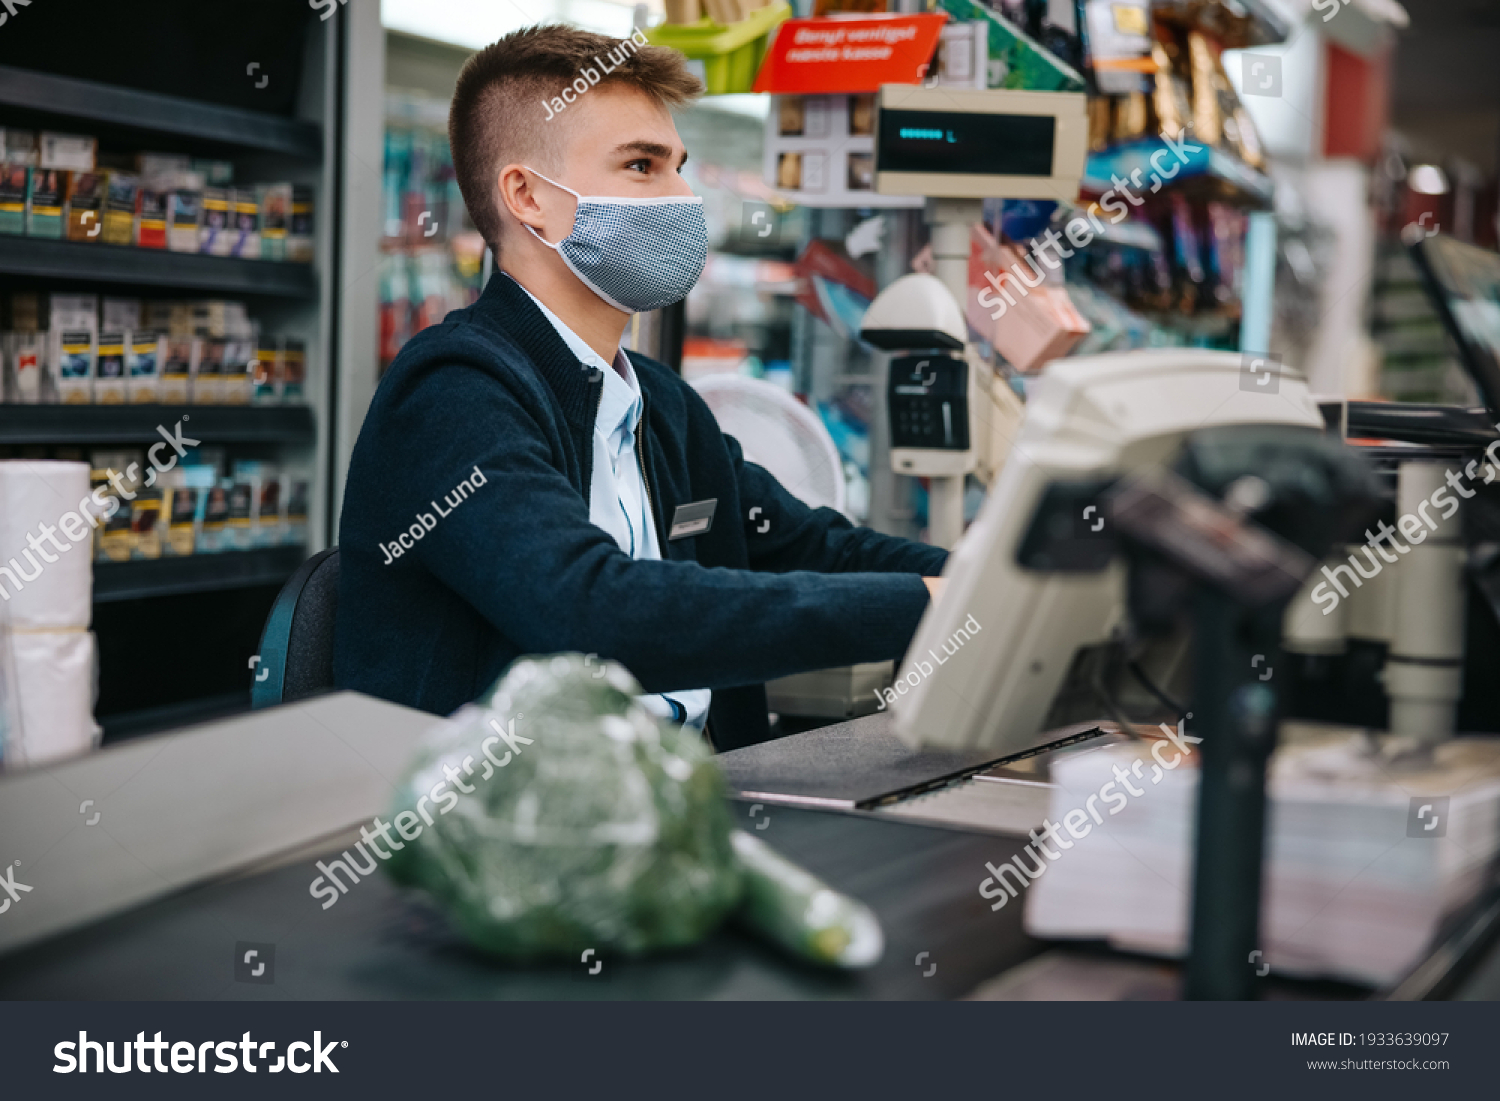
x=851 y=764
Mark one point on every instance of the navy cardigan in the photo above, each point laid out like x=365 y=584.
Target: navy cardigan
x=466 y=541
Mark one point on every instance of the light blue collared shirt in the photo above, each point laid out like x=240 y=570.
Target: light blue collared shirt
x=617 y=495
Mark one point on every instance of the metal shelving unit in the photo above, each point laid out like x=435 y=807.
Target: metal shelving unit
x=70 y=425
x=188 y=272
x=149 y=113
x=317 y=127
x=197 y=573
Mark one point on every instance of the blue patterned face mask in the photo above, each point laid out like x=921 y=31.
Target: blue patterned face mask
x=636 y=254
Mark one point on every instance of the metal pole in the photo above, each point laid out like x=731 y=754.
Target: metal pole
x=1235 y=712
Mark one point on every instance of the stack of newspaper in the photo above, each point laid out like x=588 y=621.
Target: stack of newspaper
x=1364 y=857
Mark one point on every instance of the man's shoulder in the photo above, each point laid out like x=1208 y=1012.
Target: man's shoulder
x=666 y=389
x=457 y=354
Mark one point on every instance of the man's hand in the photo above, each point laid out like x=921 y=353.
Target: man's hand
x=934 y=587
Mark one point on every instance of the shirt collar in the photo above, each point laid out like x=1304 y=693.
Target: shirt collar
x=620 y=404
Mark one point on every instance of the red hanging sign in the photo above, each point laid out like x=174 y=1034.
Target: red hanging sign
x=834 y=56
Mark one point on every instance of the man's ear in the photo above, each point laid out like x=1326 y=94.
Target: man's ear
x=518 y=197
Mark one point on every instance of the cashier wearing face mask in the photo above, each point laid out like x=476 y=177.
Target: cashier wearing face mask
x=522 y=485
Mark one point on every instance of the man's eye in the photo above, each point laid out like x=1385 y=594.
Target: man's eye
x=642 y=165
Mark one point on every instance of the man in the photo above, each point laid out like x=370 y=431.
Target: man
x=521 y=486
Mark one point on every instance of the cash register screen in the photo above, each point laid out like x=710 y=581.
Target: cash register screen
x=964 y=143
x=1465 y=282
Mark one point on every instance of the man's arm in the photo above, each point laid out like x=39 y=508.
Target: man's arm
x=788 y=535
x=522 y=551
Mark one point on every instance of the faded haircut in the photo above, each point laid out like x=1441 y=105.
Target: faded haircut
x=497 y=116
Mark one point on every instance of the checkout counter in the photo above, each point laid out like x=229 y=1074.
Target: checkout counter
x=159 y=899
x=178 y=866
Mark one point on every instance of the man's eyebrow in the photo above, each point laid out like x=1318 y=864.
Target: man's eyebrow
x=648 y=148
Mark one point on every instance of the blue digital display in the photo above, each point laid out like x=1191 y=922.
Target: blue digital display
x=964 y=143
x=916 y=134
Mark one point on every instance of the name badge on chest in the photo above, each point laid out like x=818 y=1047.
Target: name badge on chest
x=692 y=519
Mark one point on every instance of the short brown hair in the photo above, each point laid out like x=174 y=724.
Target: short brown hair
x=496 y=115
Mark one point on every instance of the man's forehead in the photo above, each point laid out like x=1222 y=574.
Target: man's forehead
x=620 y=119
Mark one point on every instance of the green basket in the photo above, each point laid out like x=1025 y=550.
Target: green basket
x=731 y=55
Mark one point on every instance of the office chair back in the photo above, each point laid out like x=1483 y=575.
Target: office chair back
x=296 y=647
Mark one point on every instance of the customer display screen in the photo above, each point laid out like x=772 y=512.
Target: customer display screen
x=964 y=143
x=1465 y=282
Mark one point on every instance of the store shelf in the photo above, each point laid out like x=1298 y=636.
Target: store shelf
x=1128 y=233
x=1204 y=164
x=152 y=113
x=79 y=262
x=197 y=573
x=1250 y=22
x=134 y=424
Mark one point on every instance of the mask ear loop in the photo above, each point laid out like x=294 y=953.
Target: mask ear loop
x=560 y=187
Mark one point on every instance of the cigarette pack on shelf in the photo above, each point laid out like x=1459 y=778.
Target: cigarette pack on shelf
x=157 y=314
x=86 y=205
x=145 y=353
x=179 y=513
x=120 y=193
x=147 y=521
x=244 y=505
x=26 y=312
x=208 y=379
x=120 y=313
x=299 y=241
x=214 y=173
x=178 y=369
x=28 y=368
x=267 y=375
x=74 y=355
x=275 y=219
x=158 y=165
x=293 y=369
x=185 y=213
x=17 y=146
x=44 y=203
x=68 y=152
x=117 y=480
x=73 y=311
x=215 y=236
x=187 y=489
x=151 y=214
x=269 y=527
x=245 y=240
x=236 y=386
x=111 y=384
x=295 y=492
x=214 y=532
x=15 y=181
x=228 y=317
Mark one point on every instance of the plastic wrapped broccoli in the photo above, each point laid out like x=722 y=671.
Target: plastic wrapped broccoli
x=557 y=814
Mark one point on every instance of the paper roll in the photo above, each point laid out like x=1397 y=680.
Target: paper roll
x=55 y=682
x=40 y=595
